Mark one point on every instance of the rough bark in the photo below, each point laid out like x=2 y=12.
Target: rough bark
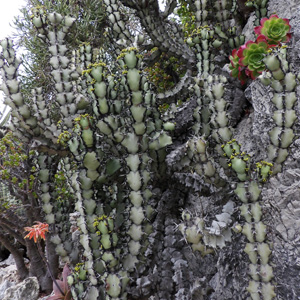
x=37 y=267
x=17 y=255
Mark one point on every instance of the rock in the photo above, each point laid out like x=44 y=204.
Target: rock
x=248 y=30
x=4 y=286
x=11 y=261
x=288 y=10
x=9 y=273
x=8 y=262
x=25 y=290
x=44 y=297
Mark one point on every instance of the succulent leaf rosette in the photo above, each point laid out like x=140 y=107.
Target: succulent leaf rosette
x=251 y=55
x=248 y=60
x=275 y=29
x=237 y=71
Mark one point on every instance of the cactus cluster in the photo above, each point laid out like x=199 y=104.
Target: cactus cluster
x=248 y=191
x=213 y=122
x=260 y=8
x=122 y=136
x=104 y=150
x=283 y=84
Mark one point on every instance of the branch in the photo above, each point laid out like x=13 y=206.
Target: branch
x=8 y=228
x=7 y=243
x=13 y=221
x=18 y=257
x=170 y=6
x=164 y=34
x=141 y=4
x=180 y=89
x=152 y=58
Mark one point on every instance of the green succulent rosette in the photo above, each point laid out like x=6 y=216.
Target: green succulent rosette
x=252 y=55
x=275 y=29
x=237 y=71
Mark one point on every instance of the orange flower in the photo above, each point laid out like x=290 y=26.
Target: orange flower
x=37 y=231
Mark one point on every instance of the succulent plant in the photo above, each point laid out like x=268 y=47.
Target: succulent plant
x=237 y=70
x=118 y=159
x=275 y=29
x=252 y=56
x=64 y=287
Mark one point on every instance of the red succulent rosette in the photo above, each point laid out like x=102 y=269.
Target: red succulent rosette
x=248 y=60
x=237 y=71
x=251 y=56
x=275 y=29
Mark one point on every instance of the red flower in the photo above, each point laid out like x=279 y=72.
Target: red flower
x=37 y=231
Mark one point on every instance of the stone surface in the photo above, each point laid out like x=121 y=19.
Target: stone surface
x=4 y=286
x=44 y=297
x=287 y=9
x=9 y=273
x=7 y=262
x=25 y=290
x=11 y=261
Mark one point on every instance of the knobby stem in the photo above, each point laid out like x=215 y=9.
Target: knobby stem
x=48 y=267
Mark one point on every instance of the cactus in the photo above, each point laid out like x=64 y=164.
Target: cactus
x=141 y=188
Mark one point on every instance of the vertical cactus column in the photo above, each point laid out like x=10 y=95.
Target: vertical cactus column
x=124 y=134
x=144 y=144
x=211 y=113
x=61 y=72
x=63 y=205
x=212 y=119
x=57 y=199
x=52 y=197
x=260 y=8
x=22 y=117
x=283 y=83
x=248 y=191
x=82 y=145
x=137 y=161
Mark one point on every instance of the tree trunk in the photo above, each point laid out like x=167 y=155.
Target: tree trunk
x=18 y=257
x=38 y=267
x=52 y=257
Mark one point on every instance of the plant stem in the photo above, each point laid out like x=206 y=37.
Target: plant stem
x=48 y=267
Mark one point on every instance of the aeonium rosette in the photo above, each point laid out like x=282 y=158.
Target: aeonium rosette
x=237 y=71
x=275 y=29
x=251 y=56
x=247 y=61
